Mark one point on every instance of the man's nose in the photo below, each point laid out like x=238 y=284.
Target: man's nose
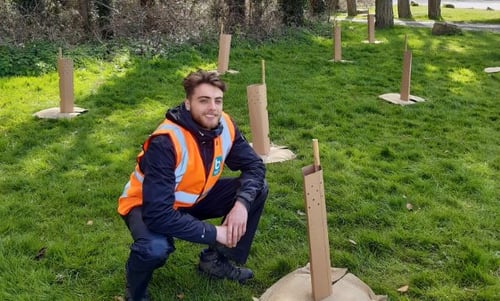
x=212 y=104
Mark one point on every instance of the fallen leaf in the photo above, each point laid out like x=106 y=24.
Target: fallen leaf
x=180 y=296
x=41 y=253
x=403 y=289
x=353 y=242
x=300 y=212
x=59 y=278
x=117 y=298
x=409 y=206
x=254 y=299
x=90 y=223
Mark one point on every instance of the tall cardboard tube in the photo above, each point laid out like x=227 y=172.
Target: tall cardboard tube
x=317 y=229
x=337 y=55
x=224 y=49
x=65 y=69
x=406 y=76
x=259 y=122
x=371 y=28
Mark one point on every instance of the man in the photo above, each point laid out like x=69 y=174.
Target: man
x=176 y=185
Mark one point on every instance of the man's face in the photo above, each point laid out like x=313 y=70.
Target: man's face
x=205 y=105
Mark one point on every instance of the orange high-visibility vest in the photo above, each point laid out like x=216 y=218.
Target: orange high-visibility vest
x=191 y=181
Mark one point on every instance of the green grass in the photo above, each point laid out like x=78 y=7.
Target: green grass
x=459 y=15
x=441 y=156
x=455 y=15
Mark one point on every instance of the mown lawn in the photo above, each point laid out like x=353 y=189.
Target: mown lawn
x=60 y=179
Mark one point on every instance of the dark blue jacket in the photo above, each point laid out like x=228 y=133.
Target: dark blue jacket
x=158 y=165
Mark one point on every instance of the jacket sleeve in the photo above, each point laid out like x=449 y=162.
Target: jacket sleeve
x=242 y=157
x=158 y=193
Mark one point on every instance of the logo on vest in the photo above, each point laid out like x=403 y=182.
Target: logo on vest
x=217 y=165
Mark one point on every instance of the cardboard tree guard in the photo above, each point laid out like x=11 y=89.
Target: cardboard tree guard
x=65 y=69
x=406 y=76
x=404 y=97
x=337 y=44
x=317 y=281
x=259 y=124
x=337 y=38
x=371 y=30
x=224 y=50
x=66 y=107
x=319 y=250
x=317 y=229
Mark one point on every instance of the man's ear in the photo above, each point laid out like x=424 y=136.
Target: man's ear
x=187 y=104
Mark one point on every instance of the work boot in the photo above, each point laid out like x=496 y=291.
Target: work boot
x=216 y=265
x=128 y=296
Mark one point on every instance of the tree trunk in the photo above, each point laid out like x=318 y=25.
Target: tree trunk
x=384 y=16
x=404 y=11
x=236 y=16
x=332 y=5
x=317 y=6
x=434 y=9
x=352 y=10
x=293 y=11
x=149 y=20
x=254 y=11
x=104 y=18
x=84 y=10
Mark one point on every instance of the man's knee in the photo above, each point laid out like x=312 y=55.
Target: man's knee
x=260 y=199
x=152 y=253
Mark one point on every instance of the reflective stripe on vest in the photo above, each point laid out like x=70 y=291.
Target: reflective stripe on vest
x=183 y=143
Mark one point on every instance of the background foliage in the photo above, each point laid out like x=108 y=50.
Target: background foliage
x=156 y=21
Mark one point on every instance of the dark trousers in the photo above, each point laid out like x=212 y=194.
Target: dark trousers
x=150 y=250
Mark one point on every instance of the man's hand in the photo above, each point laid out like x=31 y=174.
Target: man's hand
x=236 y=223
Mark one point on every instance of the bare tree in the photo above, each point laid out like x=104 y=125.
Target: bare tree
x=434 y=9
x=384 y=16
x=404 y=11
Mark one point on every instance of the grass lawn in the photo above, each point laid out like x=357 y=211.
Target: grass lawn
x=60 y=179
x=455 y=15
x=458 y=15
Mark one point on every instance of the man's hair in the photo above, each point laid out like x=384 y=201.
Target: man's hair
x=199 y=77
